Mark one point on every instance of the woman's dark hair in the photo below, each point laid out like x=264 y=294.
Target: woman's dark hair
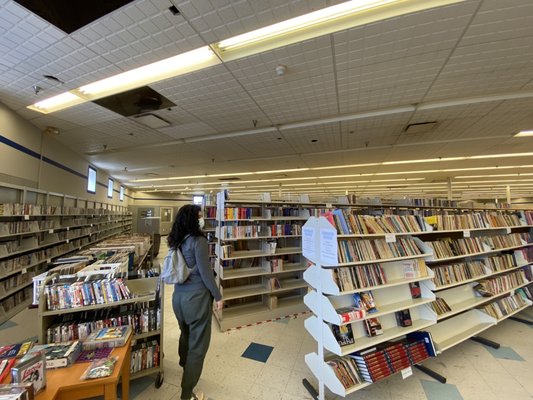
x=186 y=223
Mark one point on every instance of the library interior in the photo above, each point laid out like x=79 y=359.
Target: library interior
x=365 y=179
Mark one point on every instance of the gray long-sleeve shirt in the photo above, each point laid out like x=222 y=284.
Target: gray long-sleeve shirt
x=196 y=254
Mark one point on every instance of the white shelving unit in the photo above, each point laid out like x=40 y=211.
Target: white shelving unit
x=325 y=297
x=41 y=226
x=260 y=235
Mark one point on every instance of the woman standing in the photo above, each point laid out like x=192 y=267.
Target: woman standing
x=192 y=301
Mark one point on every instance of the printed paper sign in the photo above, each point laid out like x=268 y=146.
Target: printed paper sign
x=328 y=247
x=390 y=238
x=308 y=243
x=466 y=233
x=407 y=372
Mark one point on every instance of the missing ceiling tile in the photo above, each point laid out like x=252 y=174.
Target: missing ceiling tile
x=174 y=10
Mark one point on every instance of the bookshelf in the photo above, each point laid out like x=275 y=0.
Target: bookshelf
x=144 y=309
x=487 y=247
x=258 y=259
x=334 y=278
x=36 y=227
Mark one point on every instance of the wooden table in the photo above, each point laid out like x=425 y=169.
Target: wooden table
x=65 y=383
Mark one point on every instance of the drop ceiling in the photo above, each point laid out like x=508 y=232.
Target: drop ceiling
x=467 y=66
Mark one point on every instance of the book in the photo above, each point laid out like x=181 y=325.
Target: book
x=16 y=391
x=91 y=355
x=17 y=350
x=5 y=367
x=348 y=314
x=343 y=334
x=403 y=317
x=30 y=368
x=416 y=292
x=373 y=327
x=365 y=300
x=59 y=355
x=108 y=337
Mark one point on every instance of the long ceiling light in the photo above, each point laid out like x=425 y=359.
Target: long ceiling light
x=57 y=103
x=169 y=67
x=524 y=134
x=154 y=72
x=321 y=22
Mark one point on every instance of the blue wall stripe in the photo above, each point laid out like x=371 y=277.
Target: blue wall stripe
x=19 y=147
x=63 y=167
x=32 y=153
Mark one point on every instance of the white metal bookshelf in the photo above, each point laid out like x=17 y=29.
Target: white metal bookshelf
x=261 y=238
x=326 y=297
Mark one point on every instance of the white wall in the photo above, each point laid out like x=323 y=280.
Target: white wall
x=19 y=168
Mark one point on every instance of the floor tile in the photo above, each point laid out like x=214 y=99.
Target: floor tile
x=258 y=352
x=439 y=391
x=506 y=353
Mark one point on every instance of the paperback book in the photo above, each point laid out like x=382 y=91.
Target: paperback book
x=343 y=334
x=108 y=337
x=59 y=355
x=373 y=327
x=31 y=368
x=365 y=301
x=403 y=317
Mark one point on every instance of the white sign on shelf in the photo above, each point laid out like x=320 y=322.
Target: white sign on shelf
x=50 y=231
x=508 y=230
x=390 y=238
x=329 y=205
x=328 y=247
x=26 y=217
x=466 y=233
x=407 y=372
x=308 y=242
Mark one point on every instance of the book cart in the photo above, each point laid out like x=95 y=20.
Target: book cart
x=326 y=298
x=145 y=308
x=258 y=259
x=38 y=226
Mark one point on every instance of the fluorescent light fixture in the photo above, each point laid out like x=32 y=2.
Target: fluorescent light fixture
x=318 y=23
x=56 y=103
x=169 y=67
x=524 y=134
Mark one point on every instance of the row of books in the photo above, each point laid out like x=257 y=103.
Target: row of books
x=375 y=364
x=440 y=306
x=368 y=250
x=456 y=247
x=10 y=209
x=15 y=281
x=528 y=216
x=78 y=294
x=142 y=319
x=506 y=305
x=361 y=276
x=15 y=299
x=478 y=220
x=501 y=283
x=241 y=213
x=346 y=371
x=348 y=223
x=456 y=273
x=144 y=355
x=276 y=211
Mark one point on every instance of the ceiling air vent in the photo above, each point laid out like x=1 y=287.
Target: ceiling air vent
x=420 y=127
x=231 y=178
x=152 y=121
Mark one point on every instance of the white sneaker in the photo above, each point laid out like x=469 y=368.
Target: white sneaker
x=198 y=396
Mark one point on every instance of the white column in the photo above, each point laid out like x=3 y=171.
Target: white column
x=449 y=180
x=508 y=191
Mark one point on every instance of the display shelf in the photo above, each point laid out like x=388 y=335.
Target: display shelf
x=319 y=368
x=464 y=298
x=459 y=328
x=6 y=316
x=146 y=372
x=471 y=255
x=315 y=276
x=518 y=310
x=428 y=232
x=378 y=261
x=476 y=278
x=3 y=294
x=250 y=313
x=236 y=255
x=290 y=284
x=235 y=239
x=329 y=314
x=144 y=335
x=244 y=291
x=314 y=325
x=139 y=299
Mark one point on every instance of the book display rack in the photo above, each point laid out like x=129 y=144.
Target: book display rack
x=449 y=277
x=258 y=260
x=38 y=226
x=139 y=306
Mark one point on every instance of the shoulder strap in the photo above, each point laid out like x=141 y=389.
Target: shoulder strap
x=183 y=240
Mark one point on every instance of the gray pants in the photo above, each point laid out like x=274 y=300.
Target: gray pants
x=193 y=312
